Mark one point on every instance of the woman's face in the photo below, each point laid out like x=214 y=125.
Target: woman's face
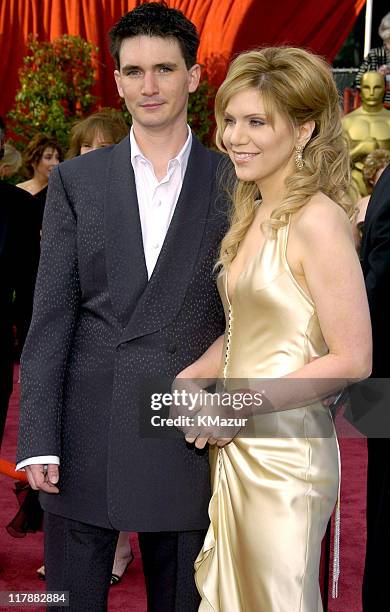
x=49 y=159
x=259 y=150
x=97 y=142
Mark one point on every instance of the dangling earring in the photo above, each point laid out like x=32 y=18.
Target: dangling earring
x=299 y=161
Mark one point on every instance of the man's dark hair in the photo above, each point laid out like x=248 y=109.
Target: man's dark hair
x=156 y=19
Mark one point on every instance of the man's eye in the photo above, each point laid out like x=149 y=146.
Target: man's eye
x=165 y=69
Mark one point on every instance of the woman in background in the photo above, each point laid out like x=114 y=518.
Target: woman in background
x=104 y=128
x=39 y=158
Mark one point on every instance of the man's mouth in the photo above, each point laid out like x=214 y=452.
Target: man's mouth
x=151 y=104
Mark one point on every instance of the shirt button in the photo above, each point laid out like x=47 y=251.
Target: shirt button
x=155 y=245
x=159 y=203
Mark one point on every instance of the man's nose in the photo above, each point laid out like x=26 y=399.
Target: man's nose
x=150 y=84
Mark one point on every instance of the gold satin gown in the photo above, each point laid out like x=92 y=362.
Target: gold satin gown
x=272 y=496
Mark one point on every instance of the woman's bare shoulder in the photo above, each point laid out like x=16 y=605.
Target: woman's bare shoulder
x=320 y=217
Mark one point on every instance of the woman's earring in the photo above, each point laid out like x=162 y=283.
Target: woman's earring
x=299 y=161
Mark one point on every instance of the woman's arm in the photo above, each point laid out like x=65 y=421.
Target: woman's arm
x=207 y=366
x=323 y=241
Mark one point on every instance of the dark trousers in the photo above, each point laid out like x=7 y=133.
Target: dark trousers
x=79 y=558
x=6 y=383
x=377 y=565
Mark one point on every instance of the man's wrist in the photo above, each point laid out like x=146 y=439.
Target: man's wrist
x=38 y=460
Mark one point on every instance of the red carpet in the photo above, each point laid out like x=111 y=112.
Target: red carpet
x=19 y=558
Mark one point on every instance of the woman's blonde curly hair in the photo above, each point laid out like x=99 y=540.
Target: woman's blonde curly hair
x=299 y=85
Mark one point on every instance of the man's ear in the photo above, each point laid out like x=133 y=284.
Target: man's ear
x=193 y=78
x=118 y=81
x=305 y=132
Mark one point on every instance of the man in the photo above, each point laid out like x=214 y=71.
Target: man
x=367 y=127
x=125 y=292
x=375 y=254
x=18 y=263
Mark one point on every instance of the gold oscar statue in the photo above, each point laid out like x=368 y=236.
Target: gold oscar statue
x=367 y=127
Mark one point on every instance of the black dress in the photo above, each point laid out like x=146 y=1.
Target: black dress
x=19 y=257
x=20 y=224
x=24 y=302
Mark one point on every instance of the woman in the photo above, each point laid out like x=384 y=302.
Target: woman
x=296 y=309
x=39 y=158
x=101 y=129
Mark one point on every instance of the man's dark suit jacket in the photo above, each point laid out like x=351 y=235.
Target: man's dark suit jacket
x=370 y=400
x=375 y=257
x=100 y=330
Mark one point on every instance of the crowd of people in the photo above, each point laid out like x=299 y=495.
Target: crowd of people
x=147 y=265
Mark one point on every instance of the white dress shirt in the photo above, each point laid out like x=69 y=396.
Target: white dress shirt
x=156 y=204
x=157 y=199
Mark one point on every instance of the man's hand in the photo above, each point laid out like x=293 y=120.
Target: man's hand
x=43 y=477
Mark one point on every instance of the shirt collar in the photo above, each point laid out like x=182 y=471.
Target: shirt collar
x=181 y=157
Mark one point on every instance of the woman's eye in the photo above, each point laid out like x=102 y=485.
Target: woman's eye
x=256 y=122
x=228 y=121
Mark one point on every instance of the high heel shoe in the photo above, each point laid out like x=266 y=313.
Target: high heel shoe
x=115 y=578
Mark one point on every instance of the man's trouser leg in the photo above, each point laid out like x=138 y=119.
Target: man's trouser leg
x=79 y=559
x=168 y=562
x=376 y=570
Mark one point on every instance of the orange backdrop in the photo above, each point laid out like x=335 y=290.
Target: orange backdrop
x=226 y=27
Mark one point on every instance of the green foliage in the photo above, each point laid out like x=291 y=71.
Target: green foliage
x=55 y=87
x=201 y=112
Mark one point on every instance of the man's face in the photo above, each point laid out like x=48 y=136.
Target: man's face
x=154 y=81
x=372 y=89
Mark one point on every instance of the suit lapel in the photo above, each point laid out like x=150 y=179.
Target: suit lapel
x=164 y=294
x=125 y=261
